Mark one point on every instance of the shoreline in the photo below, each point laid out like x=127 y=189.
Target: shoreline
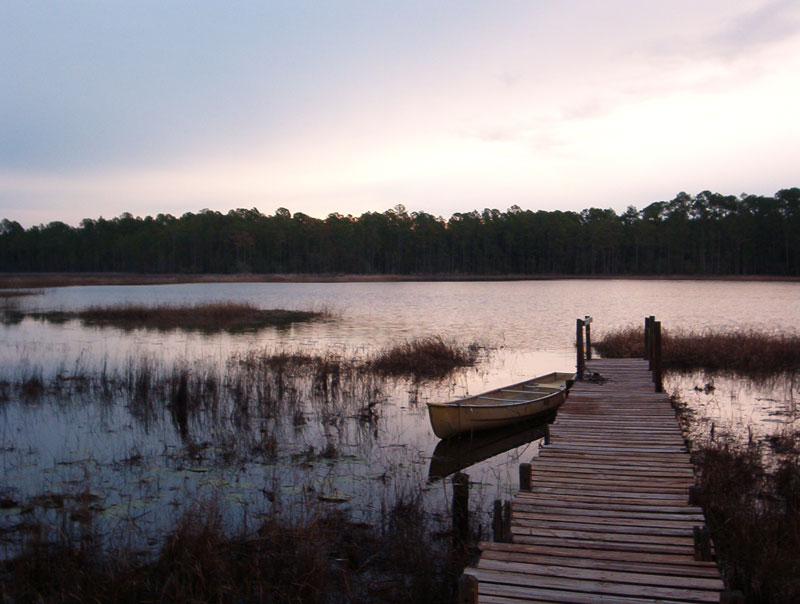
x=45 y=280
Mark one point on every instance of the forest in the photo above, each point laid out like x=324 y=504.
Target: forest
x=705 y=234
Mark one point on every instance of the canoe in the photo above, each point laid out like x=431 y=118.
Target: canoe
x=500 y=407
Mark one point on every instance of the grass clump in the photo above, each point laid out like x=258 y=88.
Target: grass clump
x=754 y=518
x=204 y=317
x=747 y=352
x=431 y=357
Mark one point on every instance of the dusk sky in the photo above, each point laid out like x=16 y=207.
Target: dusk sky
x=352 y=106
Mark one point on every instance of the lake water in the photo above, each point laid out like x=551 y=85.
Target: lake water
x=141 y=468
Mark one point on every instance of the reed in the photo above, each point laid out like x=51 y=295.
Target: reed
x=322 y=557
x=431 y=357
x=747 y=352
x=754 y=518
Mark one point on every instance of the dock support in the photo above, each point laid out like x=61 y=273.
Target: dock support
x=501 y=522
x=467 y=589
x=587 y=323
x=581 y=364
x=524 y=477
x=656 y=336
x=461 y=506
x=731 y=596
x=702 y=544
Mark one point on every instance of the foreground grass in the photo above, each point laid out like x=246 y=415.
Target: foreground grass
x=747 y=352
x=754 y=518
x=323 y=558
x=206 y=317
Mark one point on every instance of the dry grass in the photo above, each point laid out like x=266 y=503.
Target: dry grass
x=205 y=317
x=754 y=519
x=432 y=357
x=747 y=352
x=323 y=558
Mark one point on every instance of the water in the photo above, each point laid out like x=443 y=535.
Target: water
x=141 y=467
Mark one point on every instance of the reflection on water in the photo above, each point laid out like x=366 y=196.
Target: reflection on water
x=135 y=426
x=733 y=407
x=459 y=452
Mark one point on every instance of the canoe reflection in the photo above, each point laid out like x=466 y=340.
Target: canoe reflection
x=458 y=452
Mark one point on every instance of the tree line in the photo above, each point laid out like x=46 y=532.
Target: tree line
x=704 y=234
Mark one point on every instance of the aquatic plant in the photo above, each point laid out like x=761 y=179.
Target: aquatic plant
x=431 y=357
x=748 y=352
x=205 y=317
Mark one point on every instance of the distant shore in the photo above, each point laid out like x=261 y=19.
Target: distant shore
x=42 y=280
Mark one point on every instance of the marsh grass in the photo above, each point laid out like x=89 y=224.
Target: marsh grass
x=206 y=317
x=750 y=352
x=6 y=294
x=754 y=518
x=322 y=557
x=431 y=357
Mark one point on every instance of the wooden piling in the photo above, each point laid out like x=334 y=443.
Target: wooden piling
x=581 y=361
x=646 y=349
x=702 y=544
x=497 y=522
x=467 y=589
x=587 y=322
x=461 y=506
x=507 y=510
x=731 y=596
x=657 y=375
x=524 y=477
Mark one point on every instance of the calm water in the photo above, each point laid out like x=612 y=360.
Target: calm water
x=141 y=470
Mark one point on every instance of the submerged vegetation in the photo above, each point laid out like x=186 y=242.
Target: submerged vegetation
x=747 y=352
x=206 y=317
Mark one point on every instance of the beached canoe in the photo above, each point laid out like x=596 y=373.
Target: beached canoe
x=500 y=407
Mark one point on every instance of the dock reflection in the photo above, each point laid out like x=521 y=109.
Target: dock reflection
x=454 y=454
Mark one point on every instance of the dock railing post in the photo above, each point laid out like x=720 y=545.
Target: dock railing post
x=581 y=364
x=587 y=322
x=467 y=589
x=646 y=350
x=657 y=356
x=650 y=342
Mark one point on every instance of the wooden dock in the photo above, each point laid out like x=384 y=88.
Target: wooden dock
x=607 y=518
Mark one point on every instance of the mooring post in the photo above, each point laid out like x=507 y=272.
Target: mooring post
x=731 y=596
x=651 y=340
x=461 y=506
x=581 y=365
x=587 y=321
x=657 y=356
x=497 y=521
x=507 y=522
x=646 y=350
x=524 y=477
x=702 y=544
x=467 y=589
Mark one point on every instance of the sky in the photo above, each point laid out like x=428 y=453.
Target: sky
x=351 y=106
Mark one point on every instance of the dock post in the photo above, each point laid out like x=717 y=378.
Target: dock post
x=497 y=522
x=581 y=365
x=702 y=544
x=587 y=322
x=461 y=506
x=651 y=342
x=524 y=477
x=646 y=350
x=730 y=596
x=467 y=589
x=657 y=356
x=507 y=522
